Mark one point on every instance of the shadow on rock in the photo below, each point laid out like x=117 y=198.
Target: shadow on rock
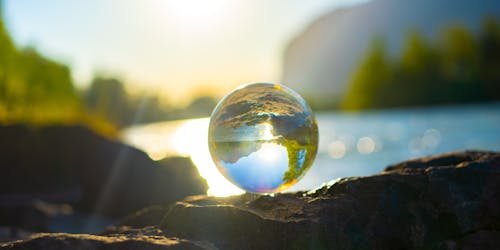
x=74 y=166
x=438 y=202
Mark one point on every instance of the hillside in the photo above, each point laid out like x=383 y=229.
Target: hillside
x=320 y=61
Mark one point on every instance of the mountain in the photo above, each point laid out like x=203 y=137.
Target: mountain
x=319 y=61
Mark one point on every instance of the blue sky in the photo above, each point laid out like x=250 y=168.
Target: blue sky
x=175 y=48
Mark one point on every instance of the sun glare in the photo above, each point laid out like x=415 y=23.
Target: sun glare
x=269 y=152
x=267 y=133
x=191 y=139
x=188 y=138
x=199 y=13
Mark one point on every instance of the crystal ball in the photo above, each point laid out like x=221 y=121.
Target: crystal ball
x=263 y=137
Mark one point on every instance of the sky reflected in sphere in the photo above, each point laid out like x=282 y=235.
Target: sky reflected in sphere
x=263 y=137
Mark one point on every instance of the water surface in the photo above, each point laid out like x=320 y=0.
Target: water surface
x=351 y=144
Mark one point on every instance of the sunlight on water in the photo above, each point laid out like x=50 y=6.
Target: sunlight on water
x=366 y=145
x=351 y=145
x=189 y=138
x=337 y=149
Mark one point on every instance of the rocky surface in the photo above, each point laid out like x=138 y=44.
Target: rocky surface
x=449 y=201
x=149 y=216
x=32 y=215
x=439 y=202
x=147 y=238
x=95 y=175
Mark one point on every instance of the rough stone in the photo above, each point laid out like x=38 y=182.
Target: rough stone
x=12 y=234
x=147 y=238
x=449 y=201
x=149 y=216
x=31 y=215
x=97 y=175
x=445 y=201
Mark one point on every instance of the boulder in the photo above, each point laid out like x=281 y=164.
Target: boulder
x=31 y=215
x=148 y=216
x=449 y=201
x=147 y=238
x=8 y=234
x=97 y=175
x=444 y=202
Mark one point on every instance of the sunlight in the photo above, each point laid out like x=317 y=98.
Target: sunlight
x=199 y=13
x=191 y=139
x=187 y=138
x=269 y=152
x=266 y=132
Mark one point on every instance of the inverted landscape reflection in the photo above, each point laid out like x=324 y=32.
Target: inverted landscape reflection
x=264 y=168
x=263 y=137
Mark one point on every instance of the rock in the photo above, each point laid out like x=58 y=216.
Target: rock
x=149 y=216
x=449 y=201
x=148 y=238
x=31 y=215
x=12 y=234
x=71 y=164
x=475 y=240
x=443 y=202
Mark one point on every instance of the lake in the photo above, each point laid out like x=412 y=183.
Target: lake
x=351 y=144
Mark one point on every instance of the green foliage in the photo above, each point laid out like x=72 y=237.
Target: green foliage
x=489 y=58
x=107 y=98
x=458 y=68
x=37 y=90
x=33 y=87
x=201 y=106
x=375 y=70
x=301 y=148
x=295 y=168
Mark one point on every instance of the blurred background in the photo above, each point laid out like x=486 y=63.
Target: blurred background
x=127 y=62
x=388 y=79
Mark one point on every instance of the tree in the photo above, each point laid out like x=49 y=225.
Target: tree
x=201 y=106
x=106 y=97
x=416 y=73
x=459 y=54
x=373 y=73
x=33 y=87
x=489 y=45
x=459 y=68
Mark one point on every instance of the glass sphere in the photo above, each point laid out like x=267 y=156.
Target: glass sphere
x=263 y=137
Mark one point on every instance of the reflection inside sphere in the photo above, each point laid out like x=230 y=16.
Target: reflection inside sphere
x=263 y=137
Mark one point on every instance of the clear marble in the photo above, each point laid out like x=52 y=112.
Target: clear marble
x=263 y=137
